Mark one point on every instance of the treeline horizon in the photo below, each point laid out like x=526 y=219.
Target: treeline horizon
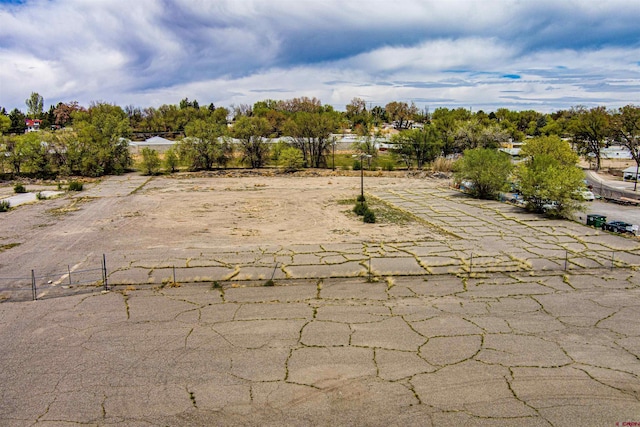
x=97 y=145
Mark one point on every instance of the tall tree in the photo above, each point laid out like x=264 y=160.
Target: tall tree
x=311 y=133
x=401 y=114
x=252 y=131
x=549 y=174
x=63 y=113
x=18 y=124
x=204 y=145
x=589 y=129
x=418 y=145
x=102 y=133
x=356 y=113
x=626 y=128
x=35 y=105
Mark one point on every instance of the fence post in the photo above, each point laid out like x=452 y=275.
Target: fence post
x=174 y=274
x=613 y=253
x=104 y=272
x=69 y=270
x=33 y=285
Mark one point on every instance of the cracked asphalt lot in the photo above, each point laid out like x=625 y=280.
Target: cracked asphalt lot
x=511 y=338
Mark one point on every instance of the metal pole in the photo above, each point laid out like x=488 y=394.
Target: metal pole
x=334 y=155
x=33 y=285
x=361 y=178
x=635 y=183
x=174 y=274
x=104 y=272
x=613 y=253
x=69 y=269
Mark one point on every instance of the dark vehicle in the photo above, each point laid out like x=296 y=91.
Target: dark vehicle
x=618 y=227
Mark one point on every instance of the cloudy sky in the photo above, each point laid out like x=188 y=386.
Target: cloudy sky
x=481 y=54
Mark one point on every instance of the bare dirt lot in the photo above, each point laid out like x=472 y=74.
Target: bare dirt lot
x=170 y=221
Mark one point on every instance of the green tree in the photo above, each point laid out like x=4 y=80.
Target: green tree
x=401 y=113
x=150 y=161
x=18 y=124
x=367 y=143
x=251 y=132
x=447 y=127
x=204 y=145
x=589 y=129
x=473 y=134
x=626 y=128
x=35 y=149
x=418 y=146
x=5 y=124
x=357 y=114
x=171 y=160
x=35 y=104
x=487 y=170
x=311 y=133
x=15 y=153
x=102 y=143
x=549 y=174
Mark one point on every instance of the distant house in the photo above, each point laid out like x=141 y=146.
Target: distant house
x=33 y=125
x=616 y=152
x=511 y=147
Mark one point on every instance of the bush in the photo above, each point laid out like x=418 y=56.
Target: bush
x=388 y=165
x=291 y=159
x=150 y=161
x=360 y=208
x=357 y=165
x=40 y=196
x=361 y=198
x=369 y=216
x=485 y=171
x=5 y=205
x=19 y=188
x=75 y=186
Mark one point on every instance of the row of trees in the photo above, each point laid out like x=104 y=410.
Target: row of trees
x=96 y=145
x=548 y=174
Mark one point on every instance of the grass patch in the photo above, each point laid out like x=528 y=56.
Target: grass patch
x=390 y=214
x=383 y=212
x=8 y=246
x=71 y=207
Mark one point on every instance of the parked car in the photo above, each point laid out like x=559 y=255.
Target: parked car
x=618 y=227
x=550 y=206
x=587 y=195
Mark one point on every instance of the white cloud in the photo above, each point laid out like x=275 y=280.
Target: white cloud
x=149 y=52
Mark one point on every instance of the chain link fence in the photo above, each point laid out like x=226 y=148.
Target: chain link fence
x=65 y=282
